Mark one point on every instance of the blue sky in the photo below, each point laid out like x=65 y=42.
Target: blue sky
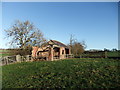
x=94 y=22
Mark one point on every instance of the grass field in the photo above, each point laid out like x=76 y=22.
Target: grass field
x=71 y=73
x=98 y=54
x=5 y=53
x=113 y=54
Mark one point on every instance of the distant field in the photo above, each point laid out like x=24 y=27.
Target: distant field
x=113 y=54
x=109 y=54
x=101 y=54
x=5 y=53
x=71 y=73
x=4 y=50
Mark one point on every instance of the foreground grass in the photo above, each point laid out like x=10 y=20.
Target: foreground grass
x=74 y=73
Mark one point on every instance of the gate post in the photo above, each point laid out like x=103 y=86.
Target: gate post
x=18 y=58
x=105 y=54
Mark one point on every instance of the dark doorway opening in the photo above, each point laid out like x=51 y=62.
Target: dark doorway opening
x=67 y=51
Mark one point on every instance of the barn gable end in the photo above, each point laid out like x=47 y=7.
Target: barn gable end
x=51 y=51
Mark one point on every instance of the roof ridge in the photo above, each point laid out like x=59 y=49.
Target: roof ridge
x=58 y=42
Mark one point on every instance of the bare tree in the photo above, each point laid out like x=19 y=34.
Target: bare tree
x=24 y=34
x=76 y=47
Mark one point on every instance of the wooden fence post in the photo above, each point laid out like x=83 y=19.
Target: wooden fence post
x=28 y=58
x=105 y=54
x=18 y=58
x=6 y=59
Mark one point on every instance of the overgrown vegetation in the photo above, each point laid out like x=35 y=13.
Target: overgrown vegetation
x=72 y=73
x=76 y=47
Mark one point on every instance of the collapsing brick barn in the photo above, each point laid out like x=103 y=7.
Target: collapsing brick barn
x=52 y=50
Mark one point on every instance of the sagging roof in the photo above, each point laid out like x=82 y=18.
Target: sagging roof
x=58 y=43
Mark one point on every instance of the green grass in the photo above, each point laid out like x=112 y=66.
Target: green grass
x=5 y=53
x=4 y=50
x=97 y=54
x=113 y=54
x=71 y=73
